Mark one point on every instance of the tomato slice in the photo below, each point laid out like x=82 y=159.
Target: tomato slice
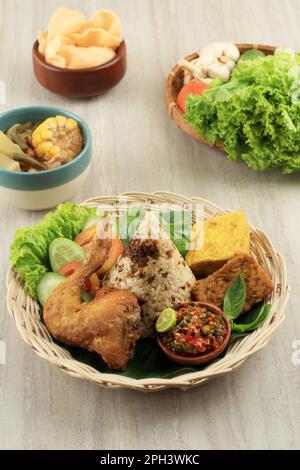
x=85 y=240
x=62 y=251
x=94 y=284
x=85 y=237
x=194 y=87
x=88 y=285
x=69 y=268
x=87 y=245
x=115 y=251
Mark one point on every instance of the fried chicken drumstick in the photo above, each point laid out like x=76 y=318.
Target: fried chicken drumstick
x=110 y=324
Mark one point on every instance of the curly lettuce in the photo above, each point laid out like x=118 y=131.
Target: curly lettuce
x=29 y=250
x=256 y=115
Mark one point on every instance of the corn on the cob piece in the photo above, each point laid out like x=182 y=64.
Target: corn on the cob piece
x=57 y=138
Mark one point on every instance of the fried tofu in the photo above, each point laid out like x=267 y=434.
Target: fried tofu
x=213 y=289
x=224 y=236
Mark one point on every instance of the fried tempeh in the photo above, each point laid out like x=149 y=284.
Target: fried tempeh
x=213 y=288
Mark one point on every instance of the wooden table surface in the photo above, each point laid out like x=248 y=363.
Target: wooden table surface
x=137 y=147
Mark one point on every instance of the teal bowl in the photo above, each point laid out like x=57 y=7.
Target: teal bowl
x=44 y=189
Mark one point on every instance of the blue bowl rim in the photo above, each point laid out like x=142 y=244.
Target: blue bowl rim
x=56 y=110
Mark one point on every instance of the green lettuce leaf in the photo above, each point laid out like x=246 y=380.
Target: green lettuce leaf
x=29 y=250
x=256 y=115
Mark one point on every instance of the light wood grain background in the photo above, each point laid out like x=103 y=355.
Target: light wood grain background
x=136 y=147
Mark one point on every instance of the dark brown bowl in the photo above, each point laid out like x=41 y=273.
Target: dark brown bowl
x=203 y=358
x=80 y=83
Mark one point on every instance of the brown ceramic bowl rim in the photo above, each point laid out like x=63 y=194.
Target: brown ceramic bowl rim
x=203 y=358
x=38 y=56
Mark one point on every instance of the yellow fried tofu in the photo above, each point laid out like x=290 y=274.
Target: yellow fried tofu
x=224 y=236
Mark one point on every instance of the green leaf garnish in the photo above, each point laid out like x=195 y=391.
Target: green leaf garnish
x=236 y=335
x=259 y=314
x=86 y=297
x=235 y=297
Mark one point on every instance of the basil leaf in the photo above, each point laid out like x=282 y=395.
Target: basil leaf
x=178 y=225
x=251 y=314
x=182 y=246
x=260 y=318
x=236 y=335
x=85 y=296
x=128 y=222
x=235 y=297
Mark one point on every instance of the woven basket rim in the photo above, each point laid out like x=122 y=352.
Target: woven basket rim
x=170 y=97
x=25 y=312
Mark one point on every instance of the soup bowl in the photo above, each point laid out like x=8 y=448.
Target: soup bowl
x=44 y=189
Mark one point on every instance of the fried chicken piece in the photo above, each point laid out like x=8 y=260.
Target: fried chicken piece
x=213 y=288
x=110 y=324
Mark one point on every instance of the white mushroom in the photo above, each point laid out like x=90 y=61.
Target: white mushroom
x=218 y=70
x=231 y=64
x=222 y=51
x=204 y=61
x=194 y=69
x=216 y=60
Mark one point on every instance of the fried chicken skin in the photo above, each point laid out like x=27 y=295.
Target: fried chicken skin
x=110 y=324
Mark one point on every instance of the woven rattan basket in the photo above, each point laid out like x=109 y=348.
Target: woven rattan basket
x=25 y=312
x=174 y=84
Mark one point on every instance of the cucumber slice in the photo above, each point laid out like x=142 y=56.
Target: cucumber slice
x=46 y=285
x=252 y=54
x=62 y=251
